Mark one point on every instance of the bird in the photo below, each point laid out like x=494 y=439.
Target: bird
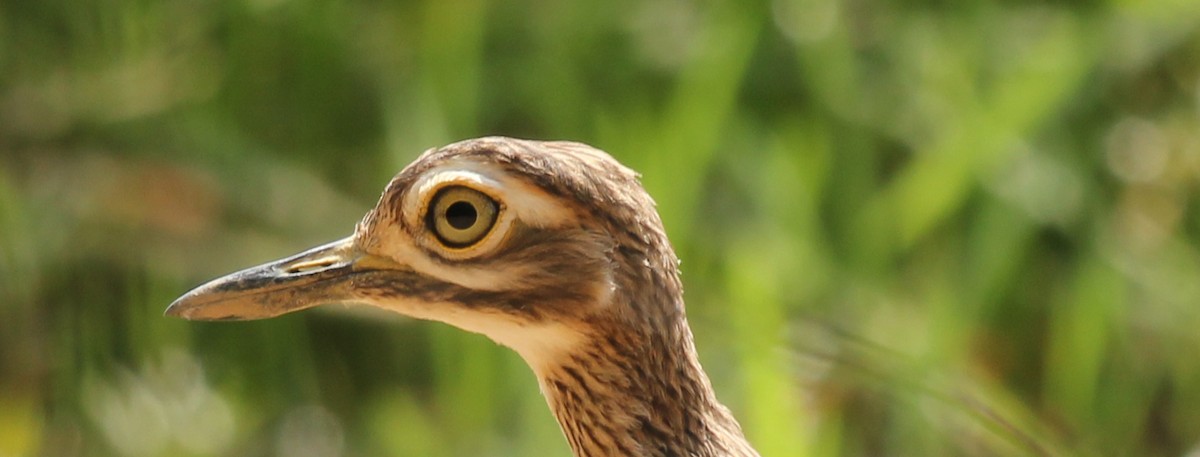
x=551 y=248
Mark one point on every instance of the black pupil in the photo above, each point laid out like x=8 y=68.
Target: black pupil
x=461 y=215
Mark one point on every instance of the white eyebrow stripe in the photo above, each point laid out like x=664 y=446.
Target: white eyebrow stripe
x=521 y=201
x=531 y=205
x=434 y=180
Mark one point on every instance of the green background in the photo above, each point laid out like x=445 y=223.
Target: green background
x=908 y=228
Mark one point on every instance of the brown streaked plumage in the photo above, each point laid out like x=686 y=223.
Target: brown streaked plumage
x=550 y=248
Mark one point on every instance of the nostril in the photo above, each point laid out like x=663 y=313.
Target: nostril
x=309 y=265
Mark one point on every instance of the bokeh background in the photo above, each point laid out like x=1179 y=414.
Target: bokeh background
x=907 y=227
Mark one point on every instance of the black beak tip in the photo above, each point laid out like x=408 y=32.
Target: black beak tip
x=188 y=306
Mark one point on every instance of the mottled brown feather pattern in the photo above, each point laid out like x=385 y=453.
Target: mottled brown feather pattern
x=641 y=393
x=572 y=270
x=637 y=388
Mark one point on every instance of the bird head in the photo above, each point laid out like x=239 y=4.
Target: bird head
x=533 y=244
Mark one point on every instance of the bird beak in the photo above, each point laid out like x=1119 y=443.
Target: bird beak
x=320 y=275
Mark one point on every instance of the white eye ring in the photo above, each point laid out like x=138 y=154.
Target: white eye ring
x=461 y=217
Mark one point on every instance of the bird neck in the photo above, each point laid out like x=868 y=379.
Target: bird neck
x=638 y=393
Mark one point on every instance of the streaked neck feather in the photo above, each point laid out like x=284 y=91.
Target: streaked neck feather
x=628 y=393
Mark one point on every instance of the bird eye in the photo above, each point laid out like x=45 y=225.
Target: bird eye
x=461 y=216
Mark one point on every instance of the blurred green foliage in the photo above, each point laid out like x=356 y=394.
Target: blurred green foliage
x=908 y=227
